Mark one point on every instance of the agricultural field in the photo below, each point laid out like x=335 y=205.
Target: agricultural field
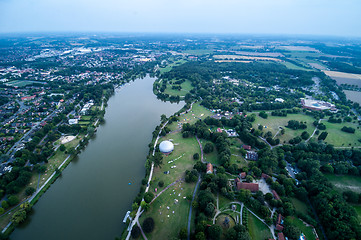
x=339 y=138
x=272 y=124
x=345 y=78
x=304 y=229
x=257 y=229
x=354 y=96
x=345 y=182
x=245 y=58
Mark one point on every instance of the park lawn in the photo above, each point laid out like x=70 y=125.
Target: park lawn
x=169 y=227
x=339 y=138
x=358 y=210
x=345 y=182
x=183 y=148
x=257 y=229
x=273 y=122
x=186 y=87
x=86 y=118
x=20 y=83
x=304 y=229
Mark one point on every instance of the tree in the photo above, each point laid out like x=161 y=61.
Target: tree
x=148 y=225
x=196 y=156
x=158 y=159
x=29 y=191
x=13 y=200
x=135 y=232
x=214 y=232
x=19 y=217
x=62 y=148
x=5 y=204
x=148 y=197
x=161 y=183
x=208 y=148
x=200 y=236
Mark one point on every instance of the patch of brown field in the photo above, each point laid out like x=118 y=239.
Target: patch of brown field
x=342 y=74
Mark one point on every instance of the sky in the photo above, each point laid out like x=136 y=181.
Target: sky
x=306 y=17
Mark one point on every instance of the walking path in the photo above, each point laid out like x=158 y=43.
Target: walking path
x=190 y=209
x=200 y=146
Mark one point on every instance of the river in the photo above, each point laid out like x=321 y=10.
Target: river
x=93 y=194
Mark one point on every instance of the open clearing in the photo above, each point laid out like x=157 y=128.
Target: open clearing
x=20 y=83
x=345 y=182
x=358 y=210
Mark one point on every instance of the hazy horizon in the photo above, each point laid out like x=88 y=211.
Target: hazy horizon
x=259 y=17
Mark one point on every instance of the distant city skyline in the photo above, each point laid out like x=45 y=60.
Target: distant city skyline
x=305 y=17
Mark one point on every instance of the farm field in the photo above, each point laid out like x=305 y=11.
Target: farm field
x=353 y=96
x=199 y=51
x=272 y=124
x=239 y=57
x=257 y=229
x=341 y=77
x=345 y=182
x=339 y=138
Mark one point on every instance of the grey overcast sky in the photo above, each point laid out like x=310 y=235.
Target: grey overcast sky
x=314 y=17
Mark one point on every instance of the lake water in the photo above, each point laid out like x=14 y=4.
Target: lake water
x=90 y=199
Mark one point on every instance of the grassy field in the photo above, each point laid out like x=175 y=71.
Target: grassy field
x=168 y=222
x=345 y=182
x=186 y=87
x=339 y=138
x=257 y=229
x=272 y=123
x=237 y=158
x=304 y=229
